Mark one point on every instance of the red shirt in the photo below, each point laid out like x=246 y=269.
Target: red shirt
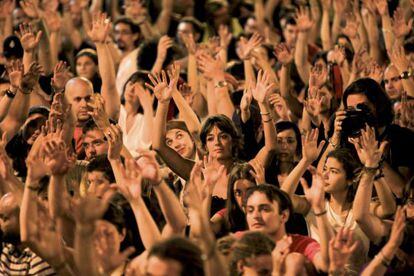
x=77 y=135
x=300 y=244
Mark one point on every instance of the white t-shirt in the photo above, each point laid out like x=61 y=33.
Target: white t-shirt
x=127 y=67
x=134 y=139
x=360 y=256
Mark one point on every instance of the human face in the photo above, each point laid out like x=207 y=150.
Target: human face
x=124 y=37
x=9 y=219
x=393 y=84
x=33 y=123
x=334 y=176
x=410 y=206
x=130 y=94
x=85 y=67
x=79 y=94
x=94 y=143
x=326 y=97
x=219 y=144
x=264 y=215
x=287 y=144
x=256 y=266
x=180 y=141
x=98 y=183
x=354 y=99
x=163 y=267
x=251 y=26
x=239 y=189
x=184 y=28
x=290 y=34
x=221 y=16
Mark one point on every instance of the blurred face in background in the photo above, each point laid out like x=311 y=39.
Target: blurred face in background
x=393 y=83
x=86 y=67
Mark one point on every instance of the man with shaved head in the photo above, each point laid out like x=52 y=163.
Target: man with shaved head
x=16 y=258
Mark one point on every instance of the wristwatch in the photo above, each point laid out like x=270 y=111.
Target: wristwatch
x=221 y=84
x=405 y=75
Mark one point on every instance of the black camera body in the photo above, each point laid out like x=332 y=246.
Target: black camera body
x=356 y=119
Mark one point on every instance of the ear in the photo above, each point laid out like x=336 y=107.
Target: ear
x=123 y=234
x=240 y=266
x=285 y=215
x=136 y=36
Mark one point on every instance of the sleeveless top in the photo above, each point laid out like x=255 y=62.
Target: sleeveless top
x=360 y=256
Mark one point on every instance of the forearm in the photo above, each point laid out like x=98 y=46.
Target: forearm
x=158 y=138
x=28 y=210
x=373 y=38
x=5 y=104
x=387 y=31
x=55 y=195
x=86 y=19
x=326 y=32
x=376 y=266
x=171 y=208
x=73 y=34
x=147 y=227
x=325 y=234
x=17 y=114
x=270 y=7
x=395 y=181
x=336 y=26
x=301 y=56
x=386 y=199
x=192 y=73
x=85 y=259
x=249 y=74
x=211 y=99
x=268 y=127
x=163 y=20
x=54 y=47
x=45 y=53
x=107 y=70
x=292 y=180
x=187 y=113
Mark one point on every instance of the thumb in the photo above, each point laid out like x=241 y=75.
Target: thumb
x=38 y=36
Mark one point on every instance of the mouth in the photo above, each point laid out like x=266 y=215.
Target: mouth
x=181 y=151
x=257 y=225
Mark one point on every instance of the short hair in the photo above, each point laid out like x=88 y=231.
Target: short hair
x=286 y=125
x=226 y=125
x=115 y=215
x=128 y=21
x=147 y=55
x=183 y=251
x=101 y=163
x=89 y=126
x=376 y=95
x=273 y=193
x=252 y=244
x=197 y=25
x=177 y=124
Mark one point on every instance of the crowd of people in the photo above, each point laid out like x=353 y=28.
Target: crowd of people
x=207 y=137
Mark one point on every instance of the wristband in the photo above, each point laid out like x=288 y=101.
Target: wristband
x=370 y=169
x=332 y=143
x=33 y=188
x=268 y=120
x=10 y=94
x=264 y=113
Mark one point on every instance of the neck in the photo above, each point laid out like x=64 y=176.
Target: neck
x=228 y=163
x=279 y=234
x=131 y=109
x=285 y=166
x=338 y=201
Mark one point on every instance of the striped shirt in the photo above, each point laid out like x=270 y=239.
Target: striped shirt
x=16 y=262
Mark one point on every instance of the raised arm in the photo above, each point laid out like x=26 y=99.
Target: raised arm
x=400 y=61
x=370 y=155
x=326 y=26
x=99 y=33
x=163 y=21
x=304 y=24
x=163 y=91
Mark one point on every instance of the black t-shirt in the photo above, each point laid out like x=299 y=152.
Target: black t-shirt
x=17 y=149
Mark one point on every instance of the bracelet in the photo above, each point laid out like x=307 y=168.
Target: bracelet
x=379 y=175
x=320 y=214
x=384 y=261
x=370 y=169
x=33 y=188
x=268 y=120
x=332 y=143
x=264 y=113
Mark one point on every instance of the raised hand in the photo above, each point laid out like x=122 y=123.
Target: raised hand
x=101 y=26
x=88 y=209
x=97 y=111
x=368 y=149
x=313 y=104
x=315 y=195
x=211 y=172
x=339 y=6
x=263 y=87
x=187 y=93
x=58 y=110
x=113 y=135
x=246 y=99
x=56 y=158
x=28 y=37
x=189 y=42
x=6 y=8
x=246 y=47
x=283 y=53
x=398 y=227
x=339 y=118
x=310 y=148
x=318 y=76
x=374 y=71
x=398 y=58
x=145 y=98
x=61 y=75
x=351 y=27
x=149 y=167
x=6 y=167
x=279 y=254
x=338 y=55
x=382 y=7
x=341 y=247
x=225 y=36
x=53 y=21
x=15 y=71
x=303 y=21
x=400 y=27
x=31 y=78
x=164 y=44
x=30 y=8
x=212 y=68
x=258 y=172
x=135 y=9
x=130 y=184
x=159 y=87
x=279 y=106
